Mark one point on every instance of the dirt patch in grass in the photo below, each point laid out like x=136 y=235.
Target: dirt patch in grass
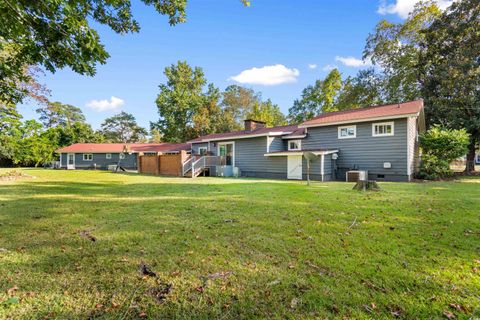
x=13 y=175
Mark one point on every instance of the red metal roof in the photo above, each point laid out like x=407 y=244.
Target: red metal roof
x=243 y=133
x=118 y=147
x=389 y=110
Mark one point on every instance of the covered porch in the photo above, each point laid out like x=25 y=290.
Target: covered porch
x=318 y=164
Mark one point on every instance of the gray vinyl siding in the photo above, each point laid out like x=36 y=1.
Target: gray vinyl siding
x=196 y=146
x=250 y=159
x=100 y=161
x=277 y=144
x=364 y=152
x=315 y=170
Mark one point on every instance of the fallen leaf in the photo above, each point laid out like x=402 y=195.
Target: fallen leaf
x=448 y=314
x=274 y=283
x=12 y=290
x=216 y=275
x=160 y=293
x=334 y=308
x=142 y=314
x=98 y=306
x=86 y=234
x=457 y=306
x=294 y=303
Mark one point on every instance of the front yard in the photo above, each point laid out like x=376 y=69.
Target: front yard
x=72 y=242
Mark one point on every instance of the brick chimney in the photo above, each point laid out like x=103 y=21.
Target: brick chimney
x=251 y=125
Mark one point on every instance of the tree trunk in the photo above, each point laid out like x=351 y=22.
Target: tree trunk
x=470 y=165
x=366 y=185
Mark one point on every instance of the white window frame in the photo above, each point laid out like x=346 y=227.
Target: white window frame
x=108 y=156
x=89 y=155
x=299 y=143
x=389 y=123
x=354 y=126
x=202 y=148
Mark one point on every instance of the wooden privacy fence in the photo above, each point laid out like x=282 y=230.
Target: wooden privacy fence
x=164 y=164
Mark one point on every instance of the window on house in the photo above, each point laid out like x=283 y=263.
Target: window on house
x=382 y=129
x=295 y=145
x=347 y=132
x=202 y=151
x=87 y=157
x=108 y=156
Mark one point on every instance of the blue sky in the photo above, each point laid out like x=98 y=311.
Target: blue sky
x=225 y=38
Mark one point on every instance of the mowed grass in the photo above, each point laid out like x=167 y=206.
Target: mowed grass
x=236 y=248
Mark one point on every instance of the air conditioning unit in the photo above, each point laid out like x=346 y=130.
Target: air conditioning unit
x=356 y=175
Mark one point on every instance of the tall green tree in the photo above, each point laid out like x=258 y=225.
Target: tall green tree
x=178 y=101
x=237 y=103
x=10 y=133
x=123 y=128
x=267 y=112
x=35 y=146
x=58 y=114
x=317 y=98
x=396 y=49
x=364 y=89
x=208 y=118
x=58 y=34
x=450 y=65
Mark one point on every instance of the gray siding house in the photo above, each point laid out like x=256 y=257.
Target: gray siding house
x=380 y=139
x=102 y=155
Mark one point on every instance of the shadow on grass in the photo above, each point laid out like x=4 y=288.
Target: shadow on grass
x=332 y=250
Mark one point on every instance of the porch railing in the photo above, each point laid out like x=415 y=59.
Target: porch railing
x=197 y=164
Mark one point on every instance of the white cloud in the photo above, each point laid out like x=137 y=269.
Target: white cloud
x=312 y=66
x=267 y=75
x=329 y=67
x=403 y=7
x=105 y=105
x=353 y=62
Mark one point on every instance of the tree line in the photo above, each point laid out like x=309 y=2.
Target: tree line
x=433 y=54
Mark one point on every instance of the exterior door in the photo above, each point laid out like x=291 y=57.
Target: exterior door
x=294 y=167
x=227 y=152
x=70 y=161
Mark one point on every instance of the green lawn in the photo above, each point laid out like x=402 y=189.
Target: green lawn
x=236 y=248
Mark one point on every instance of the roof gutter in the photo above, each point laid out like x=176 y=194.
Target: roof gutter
x=407 y=115
x=243 y=136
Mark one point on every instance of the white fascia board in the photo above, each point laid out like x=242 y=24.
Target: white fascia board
x=408 y=115
x=294 y=137
x=317 y=153
x=299 y=153
x=278 y=154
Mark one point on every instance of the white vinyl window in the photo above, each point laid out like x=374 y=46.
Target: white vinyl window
x=88 y=157
x=294 y=145
x=202 y=151
x=382 y=129
x=347 y=132
x=108 y=156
